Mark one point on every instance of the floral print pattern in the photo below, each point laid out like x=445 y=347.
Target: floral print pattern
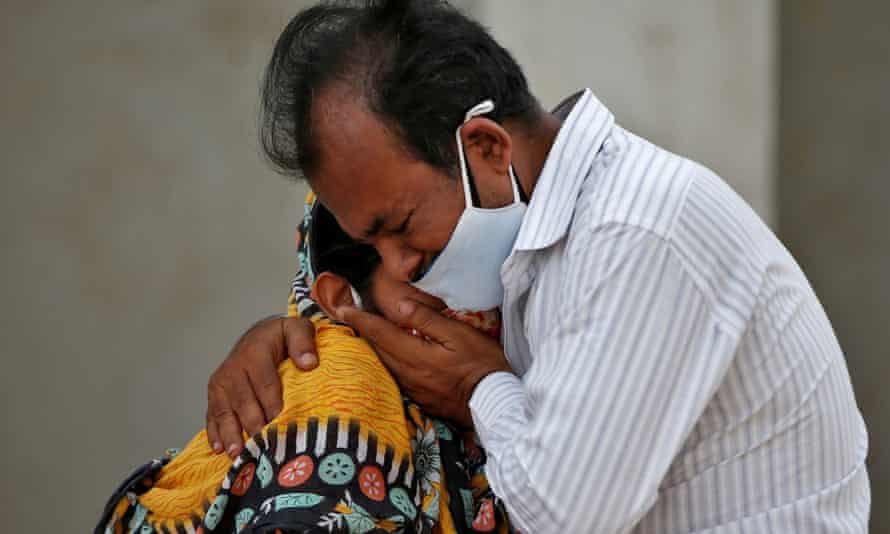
x=326 y=488
x=333 y=491
x=243 y=480
x=296 y=471
x=427 y=461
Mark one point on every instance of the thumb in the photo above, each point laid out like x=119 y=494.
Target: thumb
x=299 y=336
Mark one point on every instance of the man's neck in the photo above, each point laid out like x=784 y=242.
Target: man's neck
x=532 y=143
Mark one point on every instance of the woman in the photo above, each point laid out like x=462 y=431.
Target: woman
x=346 y=454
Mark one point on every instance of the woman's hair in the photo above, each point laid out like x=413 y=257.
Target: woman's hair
x=418 y=65
x=335 y=252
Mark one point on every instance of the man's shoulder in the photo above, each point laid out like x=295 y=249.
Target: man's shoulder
x=634 y=183
x=640 y=193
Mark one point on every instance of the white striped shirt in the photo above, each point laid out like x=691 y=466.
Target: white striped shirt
x=674 y=370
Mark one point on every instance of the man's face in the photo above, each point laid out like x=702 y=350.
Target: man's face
x=379 y=193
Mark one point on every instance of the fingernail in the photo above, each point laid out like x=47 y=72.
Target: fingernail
x=233 y=450
x=307 y=359
x=406 y=307
x=217 y=447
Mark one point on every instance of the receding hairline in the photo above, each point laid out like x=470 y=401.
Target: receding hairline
x=335 y=109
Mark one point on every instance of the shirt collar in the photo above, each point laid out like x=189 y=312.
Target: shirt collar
x=568 y=163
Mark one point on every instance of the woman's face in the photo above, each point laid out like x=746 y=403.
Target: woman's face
x=386 y=292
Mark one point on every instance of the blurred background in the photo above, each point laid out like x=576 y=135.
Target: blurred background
x=142 y=232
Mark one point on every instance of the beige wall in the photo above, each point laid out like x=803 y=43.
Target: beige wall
x=142 y=232
x=696 y=77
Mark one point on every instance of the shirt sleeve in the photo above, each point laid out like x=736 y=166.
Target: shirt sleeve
x=583 y=440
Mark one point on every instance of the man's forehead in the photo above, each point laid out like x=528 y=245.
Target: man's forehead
x=343 y=124
x=365 y=176
x=359 y=209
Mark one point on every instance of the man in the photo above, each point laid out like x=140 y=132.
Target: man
x=666 y=365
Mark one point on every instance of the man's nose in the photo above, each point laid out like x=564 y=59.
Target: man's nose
x=399 y=260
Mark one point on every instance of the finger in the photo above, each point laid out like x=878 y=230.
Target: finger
x=299 y=335
x=264 y=380
x=230 y=432
x=428 y=321
x=213 y=437
x=227 y=428
x=385 y=335
x=244 y=402
x=400 y=370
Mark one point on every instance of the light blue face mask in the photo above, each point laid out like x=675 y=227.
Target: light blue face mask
x=467 y=273
x=356 y=298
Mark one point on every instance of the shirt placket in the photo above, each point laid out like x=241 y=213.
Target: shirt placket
x=517 y=275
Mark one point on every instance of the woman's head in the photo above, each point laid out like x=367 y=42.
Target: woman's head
x=381 y=293
x=341 y=262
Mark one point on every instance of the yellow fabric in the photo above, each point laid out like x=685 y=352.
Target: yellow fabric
x=349 y=382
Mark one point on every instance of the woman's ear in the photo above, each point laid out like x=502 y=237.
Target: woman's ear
x=331 y=291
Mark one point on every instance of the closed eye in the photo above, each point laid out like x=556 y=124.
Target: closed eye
x=404 y=226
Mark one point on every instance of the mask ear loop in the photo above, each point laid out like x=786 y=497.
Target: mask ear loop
x=517 y=198
x=482 y=108
x=486 y=106
x=356 y=299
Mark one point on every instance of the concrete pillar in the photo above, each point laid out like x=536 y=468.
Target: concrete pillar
x=141 y=233
x=834 y=191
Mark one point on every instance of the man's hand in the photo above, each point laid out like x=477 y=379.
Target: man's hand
x=244 y=392
x=439 y=372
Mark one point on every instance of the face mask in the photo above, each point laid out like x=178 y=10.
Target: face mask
x=356 y=298
x=467 y=273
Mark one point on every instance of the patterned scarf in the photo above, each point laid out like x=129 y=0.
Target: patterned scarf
x=348 y=454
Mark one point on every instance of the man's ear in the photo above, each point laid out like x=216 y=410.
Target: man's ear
x=489 y=151
x=488 y=141
x=331 y=291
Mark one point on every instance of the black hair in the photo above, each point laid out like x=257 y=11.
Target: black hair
x=334 y=251
x=418 y=65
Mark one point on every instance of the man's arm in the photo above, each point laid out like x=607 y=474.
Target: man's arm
x=582 y=443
